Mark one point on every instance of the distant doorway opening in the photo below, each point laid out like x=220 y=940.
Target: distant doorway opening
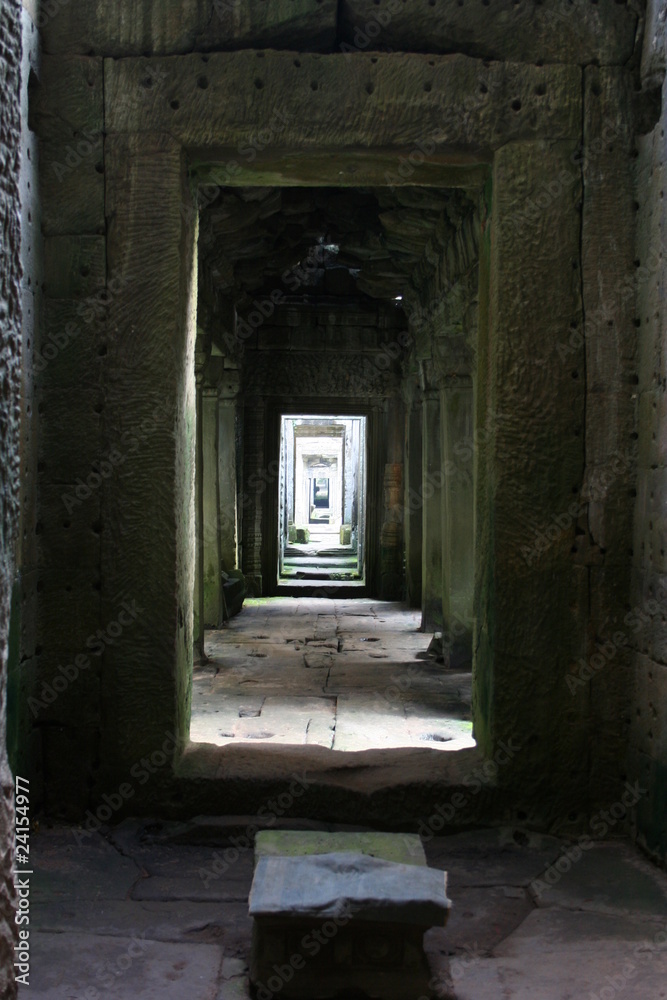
x=322 y=503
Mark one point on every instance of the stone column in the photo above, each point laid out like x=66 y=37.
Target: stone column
x=412 y=485
x=529 y=632
x=254 y=493
x=431 y=493
x=458 y=536
x=212 y=610
x=227 y=476
x=148 y=528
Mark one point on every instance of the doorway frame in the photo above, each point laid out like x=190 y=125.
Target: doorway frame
x=155 y=155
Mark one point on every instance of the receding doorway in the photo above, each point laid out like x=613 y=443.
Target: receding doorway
x=322 y=504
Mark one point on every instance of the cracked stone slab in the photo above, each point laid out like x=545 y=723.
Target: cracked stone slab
x=559 y=954
x=71 y=863
x=129 y=968
x=186 y=921
x=481 y=919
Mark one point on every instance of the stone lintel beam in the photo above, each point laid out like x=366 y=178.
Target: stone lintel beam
x=554 y=30
x=133 y=27
x=429 y=107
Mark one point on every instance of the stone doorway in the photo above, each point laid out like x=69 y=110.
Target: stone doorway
x=322 y=503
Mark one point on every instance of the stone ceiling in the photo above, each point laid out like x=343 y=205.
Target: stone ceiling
x=342 y=241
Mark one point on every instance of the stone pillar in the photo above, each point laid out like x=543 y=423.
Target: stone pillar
x=529 y=633
x=391 y=534
x=212 y=611
x=456 y=415
x=458 y=536
x=148 y=527
x=254 y=493
x=412 y=484
x=227 y=476
x=431 y=492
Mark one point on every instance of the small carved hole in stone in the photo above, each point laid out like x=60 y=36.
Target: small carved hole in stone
x=516 y=105
x=428 y=87
x=259 y=84
x=540 y=90
x=204 y=59
x=84 y=270
x=297 y=63
x=202 y=82
x=369 y=88
x=483 y=89
x=596 y=89
x=175 y=105
x=147 y=82
x=67 y=524
x=99 y=167
x=314 y=85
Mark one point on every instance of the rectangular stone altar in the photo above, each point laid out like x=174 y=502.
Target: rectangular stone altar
x=331 y=915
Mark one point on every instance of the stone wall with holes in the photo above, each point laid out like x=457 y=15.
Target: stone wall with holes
x=644 y=627
x=10 y=362
x=538 y=98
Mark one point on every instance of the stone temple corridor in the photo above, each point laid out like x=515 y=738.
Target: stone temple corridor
x=333 y=499
x=347 y=675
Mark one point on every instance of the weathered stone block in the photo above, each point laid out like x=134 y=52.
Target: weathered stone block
x=135 y=27
x=68 y=104
x=74 y=266
x=555 y=31
x=72 y=185
x=68 y=418
x=72 y=346
x=421 y=100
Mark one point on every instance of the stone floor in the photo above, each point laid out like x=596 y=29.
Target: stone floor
x=134 y=915
x=344 y=674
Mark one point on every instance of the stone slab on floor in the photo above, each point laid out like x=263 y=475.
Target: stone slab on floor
x=226 y=923
x=322 y=886
x=608 y=878
x=129 y=968
x=505 y=856
x=403 y=849
x=480 y=919
x=558 y=954
x=196 y=874
x=71 y=863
